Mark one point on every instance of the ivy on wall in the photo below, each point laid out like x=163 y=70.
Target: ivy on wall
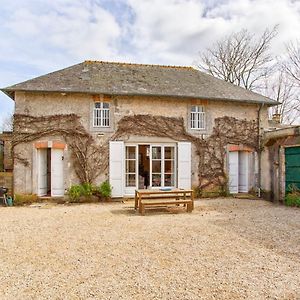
x=211 y=151
x=90 y=159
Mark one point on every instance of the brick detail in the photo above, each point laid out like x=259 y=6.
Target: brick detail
x=55 y=145
x=39 y=145
x=233 y=148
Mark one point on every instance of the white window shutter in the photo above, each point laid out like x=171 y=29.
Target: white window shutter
x=57 y=173
x=233 y=164
x=116 y=167
x=184 y=151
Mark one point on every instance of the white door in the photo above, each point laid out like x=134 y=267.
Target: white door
x=233 y=163
x=131 y=169
x=42 y=171
x=184 y=165
x=243 y=172
x=116 y=167
x=57 y=173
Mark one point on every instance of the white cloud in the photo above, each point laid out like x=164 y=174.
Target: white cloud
x=42 y=36
x=173 y=31
x=59 y=32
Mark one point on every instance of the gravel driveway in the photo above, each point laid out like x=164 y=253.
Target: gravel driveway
x=225 y=249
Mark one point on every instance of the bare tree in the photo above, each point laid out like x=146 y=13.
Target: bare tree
x=240 y=58
x=283 y=90
x=7 y=124
x=292 y=65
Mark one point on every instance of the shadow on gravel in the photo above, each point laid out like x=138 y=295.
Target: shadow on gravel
x=130 y=211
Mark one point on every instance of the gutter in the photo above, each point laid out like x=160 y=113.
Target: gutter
x=259 y=148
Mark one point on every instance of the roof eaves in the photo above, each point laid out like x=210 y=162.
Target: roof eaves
x=270 y=102
x=9 y=93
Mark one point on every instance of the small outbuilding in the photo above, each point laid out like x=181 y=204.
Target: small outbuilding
x=283 y=147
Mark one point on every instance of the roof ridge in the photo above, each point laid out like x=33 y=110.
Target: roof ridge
x=137 y=64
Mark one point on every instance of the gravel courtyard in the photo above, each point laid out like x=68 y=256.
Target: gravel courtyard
x=225 y=249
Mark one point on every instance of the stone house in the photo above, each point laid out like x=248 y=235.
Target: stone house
x=137 y=126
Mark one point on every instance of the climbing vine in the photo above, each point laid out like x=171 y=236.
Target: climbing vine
x=90 y=159
x=211 y=151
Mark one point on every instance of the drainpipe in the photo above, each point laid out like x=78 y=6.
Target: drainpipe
x=259 y=149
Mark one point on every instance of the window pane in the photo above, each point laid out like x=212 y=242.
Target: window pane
x=105 y=105
x=156 y=179
x=130 y=152
x=192 y=120
x=130 y=179
x=156 y=166
x=194 y=108
x=156 y=152
x=106 y=117
x=169 y=166
x=130 y=166
x=97 y=104
x=169 y=152
x=169 y=180
x=202 y=123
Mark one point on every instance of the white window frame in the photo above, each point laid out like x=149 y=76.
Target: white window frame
x=101 y=116
x=197 y=117
x=162 y=159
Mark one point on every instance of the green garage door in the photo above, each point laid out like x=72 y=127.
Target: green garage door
x=292 y=167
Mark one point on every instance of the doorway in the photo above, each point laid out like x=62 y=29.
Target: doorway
x=143 y=166
x=239 y=163
x=50 y=172
x=169 y=165
x=149 y=166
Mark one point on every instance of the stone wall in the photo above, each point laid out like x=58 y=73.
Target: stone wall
x=6 y=180
x=6 y=139
x=39 y=104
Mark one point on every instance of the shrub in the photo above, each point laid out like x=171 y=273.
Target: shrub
x=75 y=191
x=292 y=199
x=23 y=199
x=84 y=192
x=87 y=189
x=105 y=189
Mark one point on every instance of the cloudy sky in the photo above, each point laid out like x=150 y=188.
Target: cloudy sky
x=39 y=36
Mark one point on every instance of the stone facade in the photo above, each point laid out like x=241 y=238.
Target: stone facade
x=46 y=104
x=6 y=159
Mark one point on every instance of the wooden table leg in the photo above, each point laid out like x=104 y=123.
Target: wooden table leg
x=142 y=209
x=140 y=204
x=192 y=197
x=135 y=200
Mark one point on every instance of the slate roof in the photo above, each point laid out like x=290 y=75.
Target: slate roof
x=112 y=78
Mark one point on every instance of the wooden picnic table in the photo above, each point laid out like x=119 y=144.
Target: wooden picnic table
x=157 y=197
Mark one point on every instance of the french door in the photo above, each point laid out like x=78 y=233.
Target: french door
x=162 y=173
x=131 y=169
x=162 y=166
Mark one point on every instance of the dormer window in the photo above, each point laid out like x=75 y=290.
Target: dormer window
x=197 y=117
x=101 y=114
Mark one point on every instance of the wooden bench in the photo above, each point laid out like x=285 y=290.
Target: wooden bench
x=144 y=198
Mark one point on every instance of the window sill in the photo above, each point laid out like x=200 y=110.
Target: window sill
x=101 y=129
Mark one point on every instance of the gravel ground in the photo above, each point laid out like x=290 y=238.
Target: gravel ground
x=225 y=249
